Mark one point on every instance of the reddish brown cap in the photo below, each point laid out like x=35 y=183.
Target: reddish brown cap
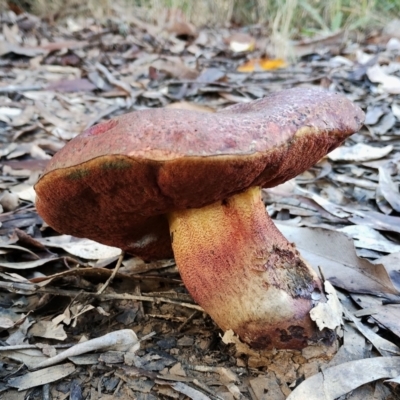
x=116 y=181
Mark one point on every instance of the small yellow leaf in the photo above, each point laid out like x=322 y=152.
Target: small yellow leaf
x=262 y=64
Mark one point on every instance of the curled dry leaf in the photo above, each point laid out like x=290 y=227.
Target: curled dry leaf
x=122 y=340
x=329 y=314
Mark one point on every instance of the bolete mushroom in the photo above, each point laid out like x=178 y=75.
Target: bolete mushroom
x=152 y=178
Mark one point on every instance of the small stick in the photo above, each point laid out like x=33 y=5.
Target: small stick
x=137 y=291
x=190 y=318
x=112 y=276
x=117 y=296
x=32 y=346
x=204 y=387
x=16 y=88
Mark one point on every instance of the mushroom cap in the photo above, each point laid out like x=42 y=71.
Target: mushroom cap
x=116 y=181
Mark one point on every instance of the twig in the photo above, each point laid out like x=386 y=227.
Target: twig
x=190 y=318
x=148 y=336
x=136 y=290
x=117 y=296
x=32 y=346
x=19 y=287
x=112 y=276
x=113 y=80
x=204 y=387
x=16 y=88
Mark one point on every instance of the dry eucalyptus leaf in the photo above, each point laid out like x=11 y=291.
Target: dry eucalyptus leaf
x=376 y=220
x=359 y=153
x=354 y=348
x=266 y=387
x=24 y=192
x=336 y=381
x=6 y=323
x=389 y=188
x=49 y=330
x=27 y=264
x=388 y=315
x=122 y=340
x=83 y=248
x=329 y=314
x=373 y=114
x=42 y=377
x=384 y=346
x=335 y=254
x=189 y=391
x=396 y=110
x=385 y=124
x=9 y=201
x=368 y=238
x=390 y=83
x=30 y=357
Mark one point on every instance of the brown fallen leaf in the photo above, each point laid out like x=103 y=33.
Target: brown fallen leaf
x=384 y=346
x=368 y=238
x=41 y=377
x=334 y=253
x=266 y=387
x=389 y=188
x=342 y=268
x=387 y=315
x=376 y=220
x=174 y=67
x=336 y=381
x=189 y=391
x=71 y=85
x=49 y=330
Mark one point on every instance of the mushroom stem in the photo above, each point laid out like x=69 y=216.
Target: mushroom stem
x=245 y=274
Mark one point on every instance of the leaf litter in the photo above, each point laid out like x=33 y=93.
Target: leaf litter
x=63 y=302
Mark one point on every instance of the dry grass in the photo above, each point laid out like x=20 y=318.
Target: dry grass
x=284 y=18
x=294 y=17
